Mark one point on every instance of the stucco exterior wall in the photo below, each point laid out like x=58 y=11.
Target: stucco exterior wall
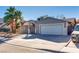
x=37 y=28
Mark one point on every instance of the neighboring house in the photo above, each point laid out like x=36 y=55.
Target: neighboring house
x=3 y=27
x=71 y=20
x=71 y=23
x=77 y=21
x=1 y=21
x=51 y=26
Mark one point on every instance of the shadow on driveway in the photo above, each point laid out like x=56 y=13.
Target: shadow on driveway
x=3 y=40
x=52 y=51
x=31 y=36
x=53 y=38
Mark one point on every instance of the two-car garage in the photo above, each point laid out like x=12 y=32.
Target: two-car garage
x=53 y=29
x=51 y=26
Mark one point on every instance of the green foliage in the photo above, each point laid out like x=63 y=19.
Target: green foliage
x=12 y=14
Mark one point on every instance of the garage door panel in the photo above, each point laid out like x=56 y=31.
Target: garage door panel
x=56 y=29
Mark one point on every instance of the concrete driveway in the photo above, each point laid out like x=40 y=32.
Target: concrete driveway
x=61 y=39
x=37 y=43
x=44 y=43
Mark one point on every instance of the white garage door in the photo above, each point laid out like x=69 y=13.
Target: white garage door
x=56 y=29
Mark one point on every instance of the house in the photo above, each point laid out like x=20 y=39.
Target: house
x=51 y=26
x=77 y=21
x=3 y=26
x=71 y=23
x=1 y=21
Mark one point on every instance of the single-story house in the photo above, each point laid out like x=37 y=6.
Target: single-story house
x=51 y=26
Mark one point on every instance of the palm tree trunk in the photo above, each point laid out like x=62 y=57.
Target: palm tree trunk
x=14 y=26
x=11 y=27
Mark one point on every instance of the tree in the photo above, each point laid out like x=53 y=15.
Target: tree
x=9 y=18
x=18 y=18
x=12 y=16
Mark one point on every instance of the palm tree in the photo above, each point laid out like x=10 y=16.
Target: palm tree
x=18 y=18
x=12 y=17
x=9 y=18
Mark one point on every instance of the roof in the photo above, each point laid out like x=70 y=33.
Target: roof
x=28 y=23
x=50 y=20
x=69 y=19
x=32 y=21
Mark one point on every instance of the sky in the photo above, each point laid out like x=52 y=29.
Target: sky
x=33 y=12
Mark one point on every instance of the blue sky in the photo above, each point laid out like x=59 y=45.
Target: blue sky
x=33 y=12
